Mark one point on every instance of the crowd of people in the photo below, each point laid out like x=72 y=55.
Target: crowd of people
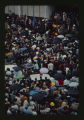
x=42 y=46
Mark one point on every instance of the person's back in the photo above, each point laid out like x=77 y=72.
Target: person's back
x=74 y=106
x=50 y=66
x=8 y=72
x=36 y=66
x=9 y=112
x=25 y=103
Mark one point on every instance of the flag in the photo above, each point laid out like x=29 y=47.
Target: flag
x=34 y=21
x=26 y=18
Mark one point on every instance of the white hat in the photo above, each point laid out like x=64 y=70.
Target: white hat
x=15 y=38
x=27 y=87
x=29 y=61
x=23 y=36
x=74 y=25
x=34 y=46
x=30 y=98
x=6 y=99
x=68 y=96
x=43 y=19
x=26 y=28
x=13 y=48
x=65 y=90
x=37 y=48
x=37 y=53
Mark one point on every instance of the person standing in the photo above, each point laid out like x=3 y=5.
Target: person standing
x=50 y=66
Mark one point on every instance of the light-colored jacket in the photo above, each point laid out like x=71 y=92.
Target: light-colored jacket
x=36 y=66
x=50 y=66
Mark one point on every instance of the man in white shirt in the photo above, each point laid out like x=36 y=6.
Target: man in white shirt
x=67 y=70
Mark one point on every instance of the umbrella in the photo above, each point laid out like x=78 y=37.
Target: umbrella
x=23 y=49
x=34 y=46
x=66 y=82
x=43 y=70
x=56 y=40
x=73 y=92
x=9 y=54
x=39 y=38
x=51 y=57
x=61 y=88
x=65 y=41
x=59 y=76
x=15 y=87
x=54 y=26
x=75 y=79
x=52 y=104
x=33 y=92
x=53 y=88
x=19 y=76
x=68 y=35
x=73 y=84
x=48 y=40
x=48 y=49
x=65 y=38
x=60 y=36
x=35 y=58
x=29 y=66
x=52 y=84
x=16 y=68
x=39 y=97
x=74 y=38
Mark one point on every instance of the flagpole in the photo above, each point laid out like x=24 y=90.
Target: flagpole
x=14 y=9
x=19 y=10
x=39 y=10
x=27 y=10
x=8 y=9
x=33 y=10
x=45 y=11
